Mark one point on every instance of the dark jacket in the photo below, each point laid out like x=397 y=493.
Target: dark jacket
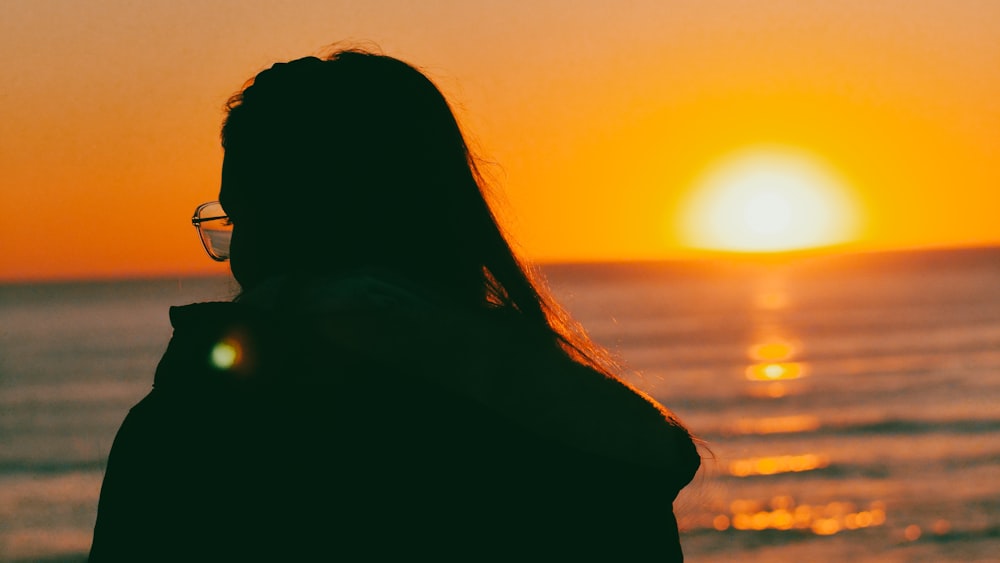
x=372 y=426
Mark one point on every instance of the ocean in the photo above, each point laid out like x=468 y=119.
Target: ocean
x=849 y=406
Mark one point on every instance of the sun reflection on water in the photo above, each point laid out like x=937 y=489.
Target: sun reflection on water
x=776 y=424
x=771 y=300
x=773 y=350
x=771 y=390
x=772 y=465
x=782 y=513
x=776 y=371
x=775 y=364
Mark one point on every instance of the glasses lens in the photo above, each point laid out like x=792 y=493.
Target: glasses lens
x=215 y=230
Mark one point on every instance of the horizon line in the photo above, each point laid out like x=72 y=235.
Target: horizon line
x=699 y=257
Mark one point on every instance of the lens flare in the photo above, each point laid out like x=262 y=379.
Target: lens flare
x=225 y=355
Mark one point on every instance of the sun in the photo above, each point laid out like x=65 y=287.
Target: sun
x=768 y=200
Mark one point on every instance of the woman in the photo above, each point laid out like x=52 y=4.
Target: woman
x=390 y=382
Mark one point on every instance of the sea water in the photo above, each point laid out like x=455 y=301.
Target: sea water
x=849 y=406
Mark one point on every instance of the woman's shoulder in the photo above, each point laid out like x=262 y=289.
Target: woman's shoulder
x=374 y=341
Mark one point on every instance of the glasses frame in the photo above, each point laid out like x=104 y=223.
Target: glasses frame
x=197 y=221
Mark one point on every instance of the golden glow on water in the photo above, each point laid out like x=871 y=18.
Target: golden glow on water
x=773 y=371
x=774 y=364
x=772 y=465
x=825 y=526
x=771 y=300
x=776 y=424
x=772 y=351
x=771 y=355
x=783 y=514
x=769 y=390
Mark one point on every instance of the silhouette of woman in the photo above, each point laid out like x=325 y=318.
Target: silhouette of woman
x=392 y=382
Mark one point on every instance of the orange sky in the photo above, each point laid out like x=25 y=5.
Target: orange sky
x=599 y=118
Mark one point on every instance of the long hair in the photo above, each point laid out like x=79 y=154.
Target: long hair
x=356 y=161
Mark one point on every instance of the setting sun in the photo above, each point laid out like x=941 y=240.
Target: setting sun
x=768 y=200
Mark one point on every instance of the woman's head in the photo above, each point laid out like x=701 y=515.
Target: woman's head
x=354 y=161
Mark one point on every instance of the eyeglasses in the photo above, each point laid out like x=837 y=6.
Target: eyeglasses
x=214 y=229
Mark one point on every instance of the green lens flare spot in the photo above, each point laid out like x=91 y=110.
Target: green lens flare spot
x=224 y=355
